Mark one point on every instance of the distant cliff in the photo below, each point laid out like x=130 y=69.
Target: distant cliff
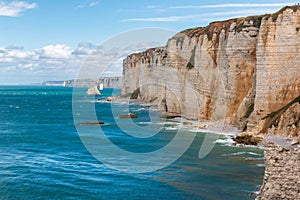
x=108 y=82
x=53 y=83
x=243 y=72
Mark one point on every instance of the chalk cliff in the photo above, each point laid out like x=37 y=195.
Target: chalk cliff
x=239 y=72
x=108 y=82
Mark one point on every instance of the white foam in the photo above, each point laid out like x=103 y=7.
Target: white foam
x=171 y=128
x=242 y=153
x=196 y=130
x=120 y=102
x=138 y=109
x=227 y=141
x=251 y=146
x=257 y=158
x=144 y=122
x=254 y=154
x=168 y=123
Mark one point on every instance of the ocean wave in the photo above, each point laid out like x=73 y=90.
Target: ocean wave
x=251 y=146
x=144 y=122
x=139 y=109
x=168 y=123
x=226 y=141
x=254 y=154
x=171 y=128
x=120 y=102
x=257 y=158
x=87 y=101
x=14 y=106
x=196 y=130
x=243 y=153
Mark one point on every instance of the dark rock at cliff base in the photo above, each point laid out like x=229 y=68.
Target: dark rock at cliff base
x=110 y=99
x=135 y=94
x=247 y=139
x=295 y=141
x=90 y=123
x=188 y=123
x=129 y=115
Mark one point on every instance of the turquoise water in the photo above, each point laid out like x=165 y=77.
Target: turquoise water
x=42 y=156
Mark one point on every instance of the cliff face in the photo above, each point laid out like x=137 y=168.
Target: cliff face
x=278 y=65
x=234 y=72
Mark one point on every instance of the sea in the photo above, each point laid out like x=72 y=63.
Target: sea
x=43 y=154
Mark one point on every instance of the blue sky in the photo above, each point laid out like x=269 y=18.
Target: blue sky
x=38 y=38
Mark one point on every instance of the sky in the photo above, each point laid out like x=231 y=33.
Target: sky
x=44 y=40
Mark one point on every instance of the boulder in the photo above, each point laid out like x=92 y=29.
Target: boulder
x=247 y=139
x=188 y=123
x=129 y=115
x=110 y=99
x=90 y=123
x=295 y=141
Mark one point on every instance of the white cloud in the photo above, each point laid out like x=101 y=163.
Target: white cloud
x=233 y=5
x=151 y=6
x=50 y=56
x=84 y=48
x=8 y=68
x=62 y=62
x=204 y=17
x=55 y=51
x=161 y=19
x=90 y=4
x=51 y=62
x=28 y=66
x=5 y=59
x=19 y=54
x=15 y=8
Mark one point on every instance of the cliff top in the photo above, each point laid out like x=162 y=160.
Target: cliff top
x=217 y=27
x=240 y=23
x=147 y=52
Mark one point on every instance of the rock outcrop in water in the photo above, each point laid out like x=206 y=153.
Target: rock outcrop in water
x=235 y=72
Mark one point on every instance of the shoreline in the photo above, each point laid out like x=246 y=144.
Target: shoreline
x=281 y=156
x=230 y=132
x=213 y=127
